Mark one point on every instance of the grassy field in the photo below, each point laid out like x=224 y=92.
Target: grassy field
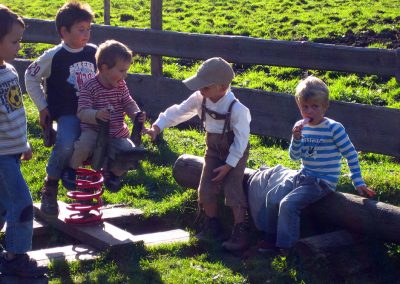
x=152 y=187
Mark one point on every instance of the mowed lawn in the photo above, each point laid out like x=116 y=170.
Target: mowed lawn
x=152 y=187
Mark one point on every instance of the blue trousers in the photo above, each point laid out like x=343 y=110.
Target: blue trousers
x=15 y=205
x=284 y=204
x=68 y=131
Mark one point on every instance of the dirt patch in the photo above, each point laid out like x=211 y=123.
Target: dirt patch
x=387 y=37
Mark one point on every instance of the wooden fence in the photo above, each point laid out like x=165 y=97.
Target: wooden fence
x=371 y=128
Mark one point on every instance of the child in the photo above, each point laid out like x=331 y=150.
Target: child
x=320 y=143
x=63 y=70
x=227 y=123
x=105 y=98
x=16 y=201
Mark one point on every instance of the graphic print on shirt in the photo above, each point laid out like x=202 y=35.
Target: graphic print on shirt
x=80 y=72
x=10 y=95
x=311 y=146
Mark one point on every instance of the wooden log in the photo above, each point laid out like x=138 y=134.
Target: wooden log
x=354 y=213
x=344 y=253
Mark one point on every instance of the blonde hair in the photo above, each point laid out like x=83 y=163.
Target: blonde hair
x=312 y=87
x=110 y=51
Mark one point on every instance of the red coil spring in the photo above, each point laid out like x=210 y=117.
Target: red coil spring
x=89 y=190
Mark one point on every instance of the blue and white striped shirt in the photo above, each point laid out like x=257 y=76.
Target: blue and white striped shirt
x=321 y=148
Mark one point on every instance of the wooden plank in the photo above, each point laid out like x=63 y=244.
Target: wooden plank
x=171 y=236
x=100 y=236
x=65 y=253
x=238 y=49
x=5 y=279
x=273 y=114
x=39 y=227
x=105 y=235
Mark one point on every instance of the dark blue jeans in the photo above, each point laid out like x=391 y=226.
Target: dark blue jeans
x=16 y=201
x=68 y=131
x=284 y=204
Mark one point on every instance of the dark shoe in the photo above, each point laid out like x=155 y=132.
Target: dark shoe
x=265 y=246
x=69 y=179
x=49 y=205
x=212 y=230
x=239 y=239
x=22 y=266
x=113 y=183
x=283 y=251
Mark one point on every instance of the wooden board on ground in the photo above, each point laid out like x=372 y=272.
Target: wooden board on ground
x=105 y=235
x=5 y=279
x=66 y=253
x=171 y=236
x=39 y=228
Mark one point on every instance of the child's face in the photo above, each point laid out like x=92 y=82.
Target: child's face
x=314 y=109
x=111 y=77
x=213 y=92
x=10 y=45
x=78 y=36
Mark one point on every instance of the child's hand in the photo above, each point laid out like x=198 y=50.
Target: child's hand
x=363 y=190
x=152 y=132
x=296 y=131
x=142 y=117
x=27 y=155
x=103 y=114
x=221 y=172
x=44 y=115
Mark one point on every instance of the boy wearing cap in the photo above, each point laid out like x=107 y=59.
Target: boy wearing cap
x=227 y=125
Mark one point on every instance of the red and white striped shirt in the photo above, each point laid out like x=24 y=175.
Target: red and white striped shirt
x=94 y=96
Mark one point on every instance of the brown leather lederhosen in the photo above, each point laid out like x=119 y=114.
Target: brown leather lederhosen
x=216 y=153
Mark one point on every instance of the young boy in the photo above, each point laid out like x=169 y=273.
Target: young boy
x=227 y=123
x=320 y=143
x=63 y=70
x=16 y=201
x=106 y=98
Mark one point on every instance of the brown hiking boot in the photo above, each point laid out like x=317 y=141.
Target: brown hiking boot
x=49 y=205
x=212 y=230
x=239 y=239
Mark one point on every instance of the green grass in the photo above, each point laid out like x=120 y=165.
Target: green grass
x=367 y=23
x=152 y=187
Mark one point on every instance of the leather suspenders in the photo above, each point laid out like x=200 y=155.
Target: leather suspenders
x=217 y=115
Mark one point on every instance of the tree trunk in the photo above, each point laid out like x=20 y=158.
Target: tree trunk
x=354 y=213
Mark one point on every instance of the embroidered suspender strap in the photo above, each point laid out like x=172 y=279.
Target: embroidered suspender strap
x=203 y=113
x=217 y=115
x=228 y=118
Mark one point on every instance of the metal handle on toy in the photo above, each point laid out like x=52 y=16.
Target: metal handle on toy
x=100 y=152
x=136 y=135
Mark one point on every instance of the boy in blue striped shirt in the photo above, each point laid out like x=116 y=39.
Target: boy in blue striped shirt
x=320 y=143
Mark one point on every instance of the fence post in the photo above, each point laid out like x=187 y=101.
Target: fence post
x=156 y=24
x=107 y=12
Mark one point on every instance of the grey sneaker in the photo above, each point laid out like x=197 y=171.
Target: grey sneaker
x=22 y=266
x=49 y=205
x=239 y=239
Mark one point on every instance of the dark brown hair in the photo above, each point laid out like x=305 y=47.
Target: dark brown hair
x=7 y=19
x=73 y=12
